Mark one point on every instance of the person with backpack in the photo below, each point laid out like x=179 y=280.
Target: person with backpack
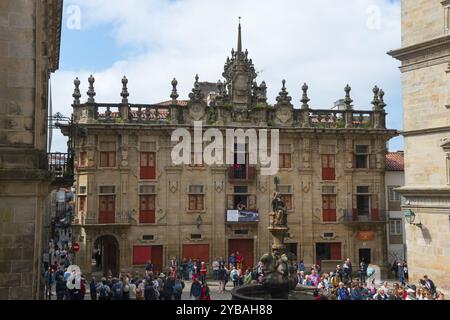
x=234 y=274
x=178 y=288
x=126 y=288
x=133 y=288
x=168 y=288
x=104 y=290
x=196 y=290
x=117 y=289
x=61 y=287
x=140 y=287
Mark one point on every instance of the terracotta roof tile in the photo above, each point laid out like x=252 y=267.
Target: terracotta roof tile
x=395 y=161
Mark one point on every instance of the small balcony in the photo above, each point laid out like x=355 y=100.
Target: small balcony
x=118 y=219
x=61 y=166
x=356 y=216
x=242 y=173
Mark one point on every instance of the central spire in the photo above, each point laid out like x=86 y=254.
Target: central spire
x=239 y=47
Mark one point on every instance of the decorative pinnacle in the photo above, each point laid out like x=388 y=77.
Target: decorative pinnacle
x=124 y=93
x=196 y=94
x=305 y=98
x=174 y=96
x=381 y=95
x=283 y=96
x=348 y=100
x=239 y=47
x=76 y=92
x=91 y=92
x=375 y=101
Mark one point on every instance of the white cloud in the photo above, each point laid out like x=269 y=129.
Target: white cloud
x=324 y=43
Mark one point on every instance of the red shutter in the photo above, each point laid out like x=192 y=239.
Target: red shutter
x=147 y=209
x=335 y=251
x=375 y=212
x=106 y=212
x=329 y=208
x=328 y=168
x=157 y=258
x=355 y=208
x=148 y=166
x=141 y=255
x=194 y=251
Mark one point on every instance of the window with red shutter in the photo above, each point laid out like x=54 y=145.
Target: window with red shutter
x=107 y=209
x=335 y=251
x=148 y=166
x=329 y=208
x=147 y=209
x=83 y=159
x=141 y=255
x=328 y=167
x=375 y=211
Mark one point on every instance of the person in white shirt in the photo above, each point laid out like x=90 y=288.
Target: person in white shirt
x=132 y=290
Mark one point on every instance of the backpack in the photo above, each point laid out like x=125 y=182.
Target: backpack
x=178 y=288
x=104 y=291
x=138 y=294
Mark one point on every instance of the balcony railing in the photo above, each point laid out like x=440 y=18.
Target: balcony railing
x=120 y=218
x=360 y=216
x=61 y=166
x=133 y=113
x=242 y=173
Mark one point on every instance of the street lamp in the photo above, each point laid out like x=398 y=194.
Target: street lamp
x=410 y=217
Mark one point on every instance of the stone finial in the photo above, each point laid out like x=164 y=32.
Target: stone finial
x=283 y=96
x=348 y=100
x=196 y=94
x=91 y=92
x=125 y=94
x=381 y=104
x=76 y=92
x=375 y=101
x=174 y=96
x=305 y=100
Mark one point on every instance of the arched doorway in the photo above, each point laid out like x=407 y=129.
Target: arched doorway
x=106 y=255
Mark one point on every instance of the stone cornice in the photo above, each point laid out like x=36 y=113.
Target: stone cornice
x=426 y=131
x=435 y=51
x=419 y=191
x=54 y=10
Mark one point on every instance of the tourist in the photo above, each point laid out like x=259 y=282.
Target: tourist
x=215 y=266
x=149 y=266
x=232 y=260
x=61 y=287
x=227 y=277
x=234 y=274
x=126 y=288
x=239 y=260
x=184 y=269
x=411 y=294
x=132 y=290
x=301 y=266
x=362 y=271
x=348 y=269
x=380 y=295
x=178 y=288
x=196 y=290
x=205 y=292
x=203 y=272
x=406 y=271
x=342 y=292
x=394 y=269
x=429 y=284
x=401 y=273
x=104 y=290
x=248 y=276
x=190 y=268
x=93 y=289
x=150 y=292
x=49 y=277
x=168 y=288
x=117 y=289
x=221 y=275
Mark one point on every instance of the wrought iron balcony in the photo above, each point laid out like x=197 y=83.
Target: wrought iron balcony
x=91 y=219
x=356 y=216
x=61 y=166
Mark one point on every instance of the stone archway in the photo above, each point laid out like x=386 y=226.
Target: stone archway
x=106 y=254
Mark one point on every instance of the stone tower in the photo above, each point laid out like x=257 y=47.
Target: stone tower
x=30 y=34
x=425 y=57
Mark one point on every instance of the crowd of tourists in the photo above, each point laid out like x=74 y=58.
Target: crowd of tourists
x=341 y=285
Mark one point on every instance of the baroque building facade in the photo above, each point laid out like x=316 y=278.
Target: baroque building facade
x=425 y=57
x=134 y=204
x=29 y=52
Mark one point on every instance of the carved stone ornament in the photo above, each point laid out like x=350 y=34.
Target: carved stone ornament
x=197 y=111
x=219 y=185
x=173 y=186
x=284 y=114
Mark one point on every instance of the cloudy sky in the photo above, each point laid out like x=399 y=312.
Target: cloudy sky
x=326 y=43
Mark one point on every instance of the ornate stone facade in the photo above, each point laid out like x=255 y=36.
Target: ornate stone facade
x=332 y=173
x=425 y=56
x=29 y=52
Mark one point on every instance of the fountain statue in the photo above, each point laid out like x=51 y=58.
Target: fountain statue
x=280 y=275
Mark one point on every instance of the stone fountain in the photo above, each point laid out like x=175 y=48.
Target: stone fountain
x=280 y=275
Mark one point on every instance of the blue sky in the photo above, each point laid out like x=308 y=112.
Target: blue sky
x=325 y=43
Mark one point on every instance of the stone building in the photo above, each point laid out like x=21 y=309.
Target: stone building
x=425 y=57
x=29 y=52
x=135 y=204
x=395 y=178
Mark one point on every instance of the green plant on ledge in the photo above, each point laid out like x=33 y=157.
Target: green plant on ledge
x=367 y=125
x=119 y=120
x=340 y=124
x=261 y=106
